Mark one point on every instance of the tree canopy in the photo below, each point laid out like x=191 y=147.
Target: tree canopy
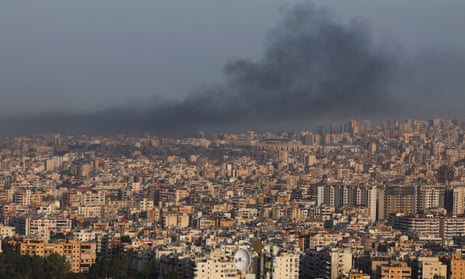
x=14 y=266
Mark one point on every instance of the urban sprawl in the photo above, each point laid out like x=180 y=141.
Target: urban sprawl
x=358 y=200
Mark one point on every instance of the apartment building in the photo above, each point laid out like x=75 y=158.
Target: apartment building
x=81 y=255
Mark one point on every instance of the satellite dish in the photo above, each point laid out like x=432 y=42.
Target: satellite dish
x=242 y=259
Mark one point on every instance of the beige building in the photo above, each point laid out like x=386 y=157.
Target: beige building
x=399 y=199
x=7 y=230
x=84 y=198
x=42 y=226
x=446 y=228
x=80 y=255
x=323 y=238
x=455 y=200
x=216 y=265
x=430 y=196
x=175 y=220
x=286 y=266
x=372 y=203
x=341 y=262
x=457 y=266
x=431 y=268
x=357 y=275
x=395 y=270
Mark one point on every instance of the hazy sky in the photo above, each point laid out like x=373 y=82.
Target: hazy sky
x=89 y=55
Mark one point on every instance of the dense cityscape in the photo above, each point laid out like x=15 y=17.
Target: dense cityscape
x=232 y=139
x=359 y=200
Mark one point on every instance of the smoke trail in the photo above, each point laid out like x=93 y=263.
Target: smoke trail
x=313 y=68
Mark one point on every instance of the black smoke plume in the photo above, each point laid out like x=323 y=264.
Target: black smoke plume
x=313 y=69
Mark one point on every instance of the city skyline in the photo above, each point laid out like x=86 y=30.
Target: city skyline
x=241 y=139
x=366 y=202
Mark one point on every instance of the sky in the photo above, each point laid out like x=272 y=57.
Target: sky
x=101 y=66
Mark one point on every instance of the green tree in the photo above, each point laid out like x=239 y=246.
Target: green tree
x=3 y=264
x=18 y=266
x=149 y=270
x=119 y=266
x=15 y=266
x=99 y=270
x=56 y=266
x=37 y=268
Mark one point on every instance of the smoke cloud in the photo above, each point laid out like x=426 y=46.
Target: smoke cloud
x=313 y=69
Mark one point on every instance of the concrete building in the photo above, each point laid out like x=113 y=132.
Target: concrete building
x=23 y=197
x=42 y=226
x=395 y=270
x=428 y=268
x=457 y=266
x=455 y=200
x=7 y=231
x=399 y=199
x=430 y=196
x=446 y=228
x=286 y=265
x=372 y=203
x=216 y=265
x=331 y=263
x=80 y=255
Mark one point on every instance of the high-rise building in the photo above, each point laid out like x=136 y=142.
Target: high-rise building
x=455 y=197
x=380 y=204
x=430 y=196
x=332 y=196
x=399 y=199
x=372 y=203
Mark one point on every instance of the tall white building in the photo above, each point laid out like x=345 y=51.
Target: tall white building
x=320 y=195
x=286 y=265
x=23 y=197
x=430 y=196
x=341 y=262
x=216 y=265
x=455 y=200
x=372 y=203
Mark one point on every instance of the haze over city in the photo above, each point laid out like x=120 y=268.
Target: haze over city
x=173 y=68
x=232 y=139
